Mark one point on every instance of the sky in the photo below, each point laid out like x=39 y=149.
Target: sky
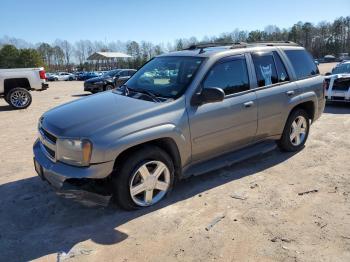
x=157 y=21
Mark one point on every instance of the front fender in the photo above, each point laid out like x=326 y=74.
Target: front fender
x=146 y=135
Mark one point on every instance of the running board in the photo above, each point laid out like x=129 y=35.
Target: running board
x=230 y=158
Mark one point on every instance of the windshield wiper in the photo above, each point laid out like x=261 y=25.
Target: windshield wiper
x=148 y=93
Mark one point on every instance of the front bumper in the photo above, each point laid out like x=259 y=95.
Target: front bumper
x=60 y=175
x=93 y=87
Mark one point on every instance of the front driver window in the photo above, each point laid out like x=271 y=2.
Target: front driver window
x=231 y=76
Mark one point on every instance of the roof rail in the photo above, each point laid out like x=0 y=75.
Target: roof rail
x=274 y=43
x=207 y=45
x=234 y=45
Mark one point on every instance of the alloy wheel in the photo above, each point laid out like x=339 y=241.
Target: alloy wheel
x=150 y=183
x=19 y=99
x=298 y=131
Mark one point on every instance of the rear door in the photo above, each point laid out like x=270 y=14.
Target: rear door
x=274 y=91
x=220 y=127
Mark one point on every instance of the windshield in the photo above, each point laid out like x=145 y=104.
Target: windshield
x=165 y=76
x=345 y=68
x=111 y=73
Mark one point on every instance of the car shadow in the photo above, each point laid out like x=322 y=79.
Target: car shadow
x=6 y=108
x=35 y=222
x=337 y=108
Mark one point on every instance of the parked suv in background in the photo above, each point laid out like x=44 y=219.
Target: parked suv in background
x=108 y=81
x=183 y=113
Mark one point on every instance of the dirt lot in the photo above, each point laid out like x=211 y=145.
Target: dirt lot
x=326 y=67
x=249 y=212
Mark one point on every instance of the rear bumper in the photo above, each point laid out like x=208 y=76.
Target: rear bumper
x=44 y=86
x=60 y=175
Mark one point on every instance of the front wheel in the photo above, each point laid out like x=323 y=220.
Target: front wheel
x=19 y=98
x=143 y=179
x=108 y=87
x=295 y=132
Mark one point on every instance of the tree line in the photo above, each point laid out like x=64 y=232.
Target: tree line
x=321 y=39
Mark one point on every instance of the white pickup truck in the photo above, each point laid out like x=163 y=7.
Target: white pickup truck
x=16 y=83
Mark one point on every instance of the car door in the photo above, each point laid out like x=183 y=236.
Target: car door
x=274 y=91
x=121 y=78
x=223 y=126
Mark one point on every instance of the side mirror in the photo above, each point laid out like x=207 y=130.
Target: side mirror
x=208 y=95
x=328 y=74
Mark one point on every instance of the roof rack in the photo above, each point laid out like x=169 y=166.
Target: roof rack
x=234 y=45
x=274 y=43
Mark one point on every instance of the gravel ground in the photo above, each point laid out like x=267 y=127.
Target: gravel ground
x=253 y=211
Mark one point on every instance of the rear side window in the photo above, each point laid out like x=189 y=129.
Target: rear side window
x=302 y=62
x=265 y=69
x=231 y=76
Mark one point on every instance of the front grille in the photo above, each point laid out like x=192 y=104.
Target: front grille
x=340 y=87
x=338 y=97
x=48 y=143
x=342 y=84
x=50 y=151
x=49 y=136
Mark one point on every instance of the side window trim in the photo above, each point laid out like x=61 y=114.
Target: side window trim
x=287 y=64
x=283 y=64
x=226 y=59
x=254 y=85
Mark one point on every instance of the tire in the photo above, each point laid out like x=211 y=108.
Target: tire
x=131 y=175
x=19 y=98
x=108 y=87
x=299 y=123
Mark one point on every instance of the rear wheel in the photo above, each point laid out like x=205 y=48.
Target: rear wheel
x=295 y=132
x=19 y=98
x=143 y=179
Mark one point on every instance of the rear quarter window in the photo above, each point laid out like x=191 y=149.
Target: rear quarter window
x=302 y=62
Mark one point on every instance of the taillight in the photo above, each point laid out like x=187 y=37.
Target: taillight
x=42 y=74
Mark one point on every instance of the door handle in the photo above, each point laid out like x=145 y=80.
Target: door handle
x=248 y=104
x=290 y=93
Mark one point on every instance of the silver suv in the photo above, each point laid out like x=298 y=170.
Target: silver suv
x=183 y=113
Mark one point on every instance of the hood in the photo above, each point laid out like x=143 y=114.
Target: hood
x=86 y=116
x=99 y=78
x=95 y=79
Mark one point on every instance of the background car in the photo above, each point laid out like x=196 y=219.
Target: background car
x=123 y=76
x=337 y=83
x=109 y=80
x=64 y=76
x=87 y=75
x=51 y=77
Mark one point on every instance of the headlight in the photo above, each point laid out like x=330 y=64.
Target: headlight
x=74 y=152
